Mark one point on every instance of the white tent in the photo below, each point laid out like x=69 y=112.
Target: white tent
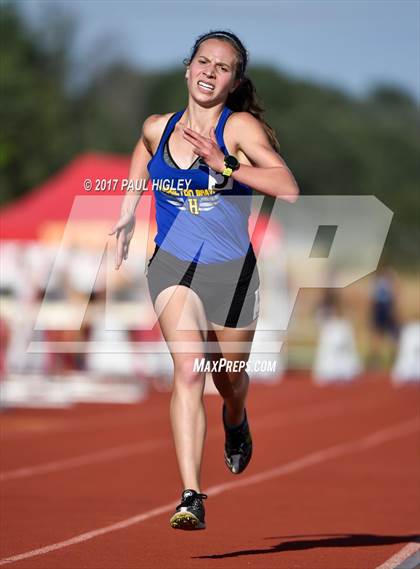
x=336 y=356
x=407 y=364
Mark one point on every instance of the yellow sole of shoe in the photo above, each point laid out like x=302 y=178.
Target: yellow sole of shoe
x=186 y=521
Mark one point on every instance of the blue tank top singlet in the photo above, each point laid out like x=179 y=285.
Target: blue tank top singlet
x=201 y=215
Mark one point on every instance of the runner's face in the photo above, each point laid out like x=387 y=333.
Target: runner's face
x=211 y=73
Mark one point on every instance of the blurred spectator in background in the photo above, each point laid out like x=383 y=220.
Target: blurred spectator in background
x=329 y=305
x=336 y=357
x=383 y=318
x=4 y=342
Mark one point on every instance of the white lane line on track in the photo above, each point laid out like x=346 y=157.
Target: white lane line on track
x=384 y=435
x=323 y=410
x=317 y=457
x=83 y=460
x=407 y=558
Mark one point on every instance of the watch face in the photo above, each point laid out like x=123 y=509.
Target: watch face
x=231 y=162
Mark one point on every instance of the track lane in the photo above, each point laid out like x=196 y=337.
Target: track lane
x=109 y=496
x=349 y=539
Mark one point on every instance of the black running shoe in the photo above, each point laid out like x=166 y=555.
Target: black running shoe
x=238 y=445
x=190 y=513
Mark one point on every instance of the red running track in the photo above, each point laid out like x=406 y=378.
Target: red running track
x=334 y=483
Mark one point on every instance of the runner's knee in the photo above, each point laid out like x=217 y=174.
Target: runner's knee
x=231 y=371
x=188 y=370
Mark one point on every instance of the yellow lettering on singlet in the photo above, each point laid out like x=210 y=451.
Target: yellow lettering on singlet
x=193 y=203
x=171 y=191
x=204 y=192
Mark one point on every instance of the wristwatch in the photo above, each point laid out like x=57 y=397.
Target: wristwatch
x=231 y=164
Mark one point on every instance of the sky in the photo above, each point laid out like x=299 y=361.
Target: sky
x=348 y=44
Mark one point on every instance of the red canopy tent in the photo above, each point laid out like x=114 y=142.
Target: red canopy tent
x=51 y=203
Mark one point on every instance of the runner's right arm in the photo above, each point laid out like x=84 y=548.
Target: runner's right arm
x=143 y=152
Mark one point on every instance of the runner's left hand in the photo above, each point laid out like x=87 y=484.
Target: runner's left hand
x=207 y=148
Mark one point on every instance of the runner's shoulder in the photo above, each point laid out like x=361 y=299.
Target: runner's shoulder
x=153 y=128
x=243 y=119
x=240 y=126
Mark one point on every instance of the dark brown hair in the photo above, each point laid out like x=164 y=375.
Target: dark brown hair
x=244 y=97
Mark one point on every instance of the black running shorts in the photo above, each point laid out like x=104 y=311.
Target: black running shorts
x=229 y=291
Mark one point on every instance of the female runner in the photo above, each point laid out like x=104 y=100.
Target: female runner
x=202 y=275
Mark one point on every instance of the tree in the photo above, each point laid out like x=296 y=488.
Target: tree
x=37 y=136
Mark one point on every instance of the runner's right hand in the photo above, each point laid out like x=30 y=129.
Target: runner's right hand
x=124 y=229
